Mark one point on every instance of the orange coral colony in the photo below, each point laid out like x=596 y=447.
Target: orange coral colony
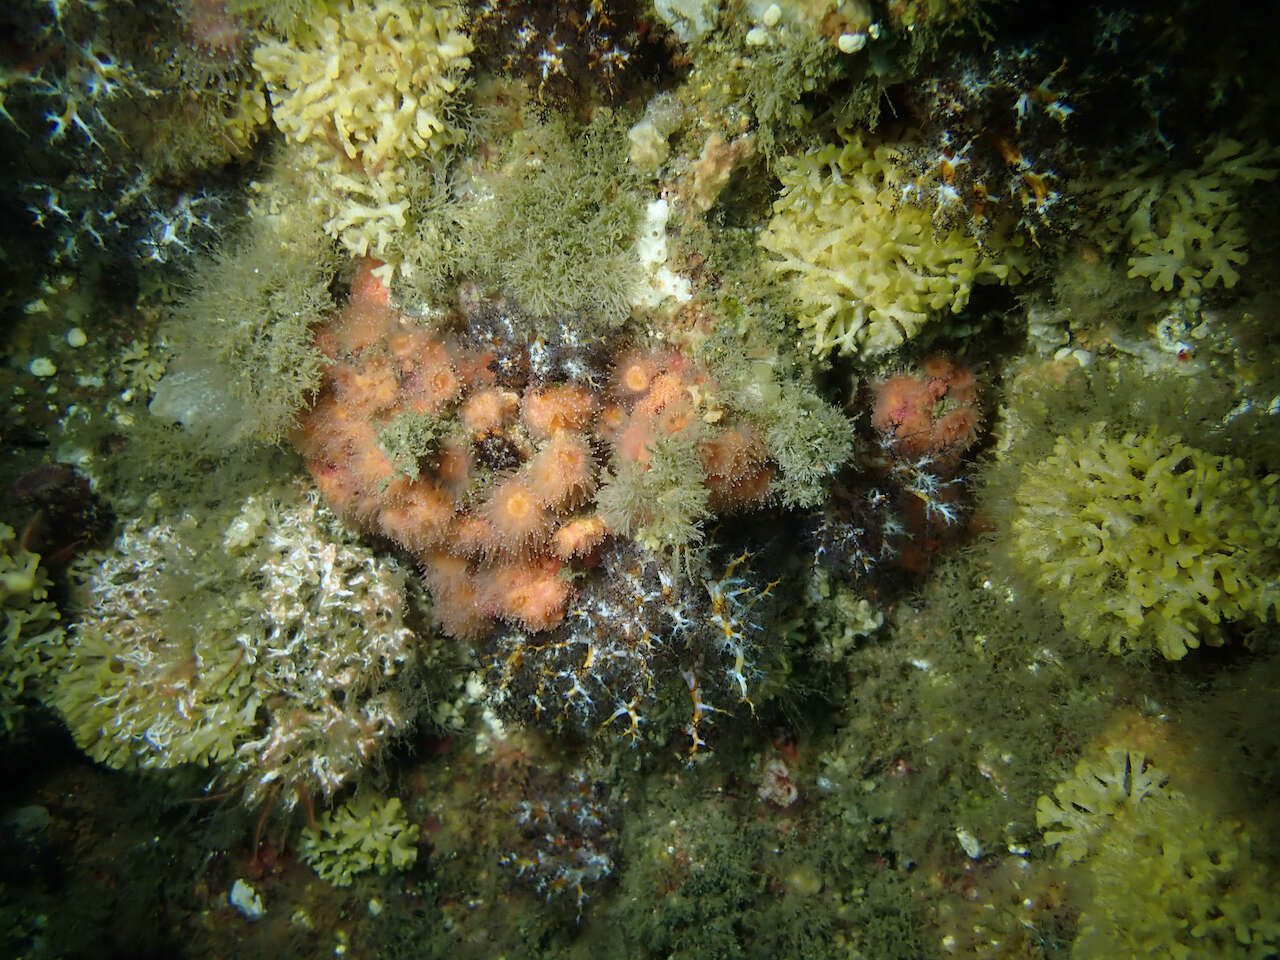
x=492 y=490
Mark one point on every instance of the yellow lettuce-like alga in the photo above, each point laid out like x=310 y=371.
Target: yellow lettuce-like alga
x=1145 y=542
x=369 y=832
x=867 y=270
x=1168 y=879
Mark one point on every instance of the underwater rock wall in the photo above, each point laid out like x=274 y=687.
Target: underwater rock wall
x=778 y=479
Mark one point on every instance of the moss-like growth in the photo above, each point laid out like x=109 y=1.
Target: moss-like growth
x=410 y=438
x=807 y=437
x=291 y=19
x=779 y=78
x=204 y=107
x=207 y=126
x=428 y=251
x=705 y=876
x=788 y=80
x=971 y=694
x=1044 y=400
x=661 y=504
x=207 y=106
x=811 y=440
x=245 y=360
x=370 y=832
x=553 y=225
x=1146 y=542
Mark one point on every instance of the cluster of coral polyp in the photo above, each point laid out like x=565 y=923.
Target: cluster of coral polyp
x=930 y=411
x=902 y=503
x=482 y=455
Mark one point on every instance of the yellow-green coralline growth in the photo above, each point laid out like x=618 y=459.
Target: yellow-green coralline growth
x=367 y=91
x=30 y=632
x=1168 y=879
x=369 y=832
x=1144 y=542
x=264 y=642
x=1185 y=228
x=866 y=269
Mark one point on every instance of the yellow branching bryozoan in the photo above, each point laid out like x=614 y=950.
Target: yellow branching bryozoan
x=369 y=832
x=1167 y=877
x=31 y=636
x=1185 y=228
x=867 y=269
x=1145 y=542
x=367 y=91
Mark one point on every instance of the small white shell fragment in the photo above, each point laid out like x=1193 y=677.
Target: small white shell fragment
x=969 y=843
x=772 y=15
x=874 y=31
x=757 y=37
x=42 y=367
x=76 y=337
x=851 y=42
x=247 y=900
